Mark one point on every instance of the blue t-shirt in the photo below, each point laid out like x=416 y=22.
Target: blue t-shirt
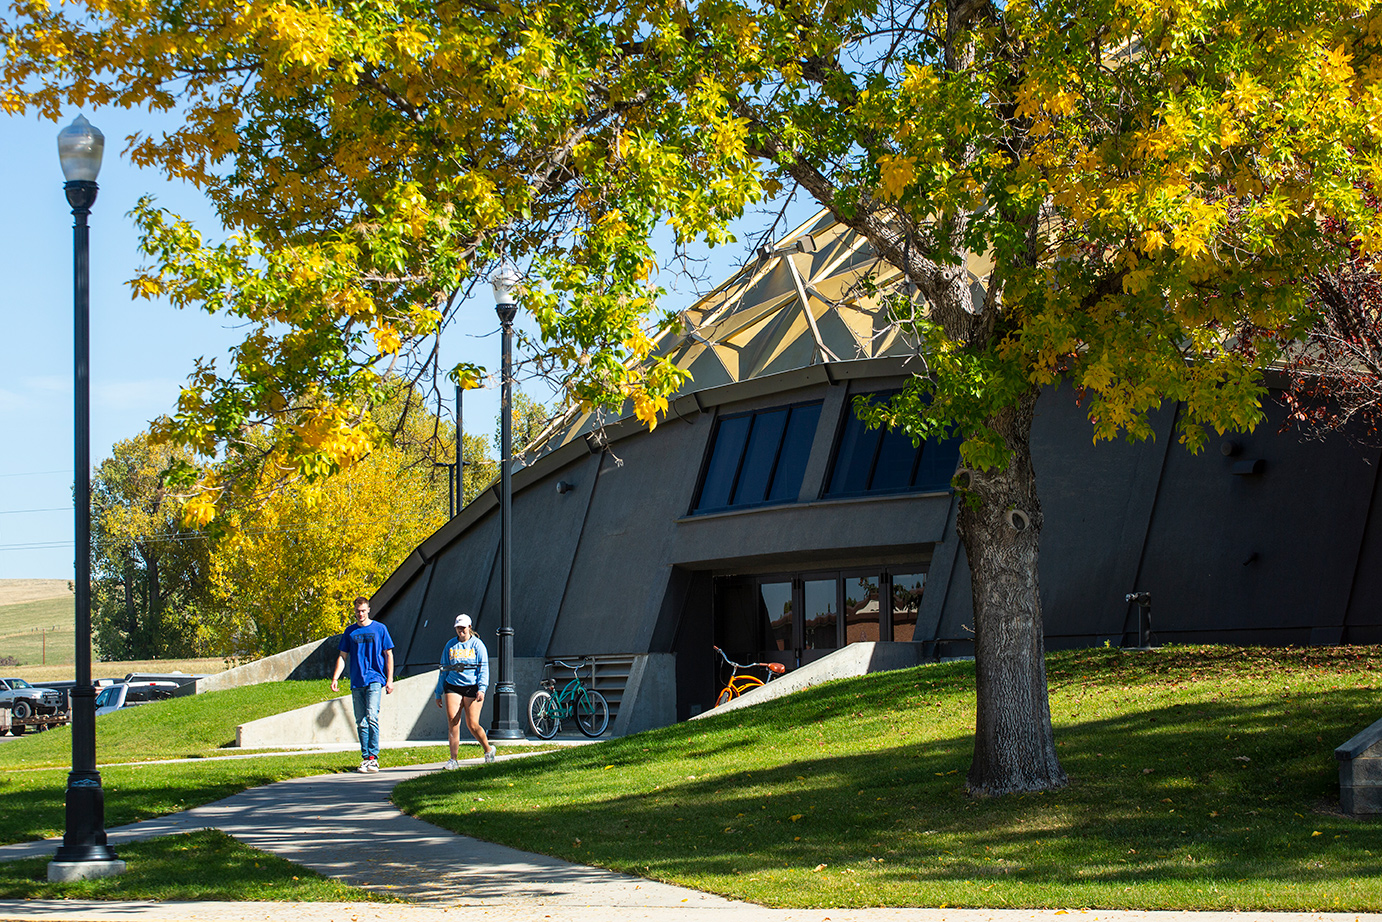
x=364 y=646
x=464 y=664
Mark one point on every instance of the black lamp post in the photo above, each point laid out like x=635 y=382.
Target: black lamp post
x=83 y=853
x=505 y=725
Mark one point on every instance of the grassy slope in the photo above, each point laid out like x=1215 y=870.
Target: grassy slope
x=197 y=725
x=1201 y=778
x=29 y=590
x=22 y=629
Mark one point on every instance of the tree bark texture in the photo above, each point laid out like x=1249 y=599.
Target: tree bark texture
x=1000 y=525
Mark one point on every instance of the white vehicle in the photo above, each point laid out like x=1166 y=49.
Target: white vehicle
x=127 y=694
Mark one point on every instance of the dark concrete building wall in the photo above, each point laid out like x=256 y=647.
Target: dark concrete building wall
x=1259 y=557
x=623 y=563
x=1097 y=501
x=1290 y=553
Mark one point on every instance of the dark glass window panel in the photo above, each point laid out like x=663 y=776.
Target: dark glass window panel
x=854 y=459
x=730 y=436
x=796 y=450
x=739 y=623
x=907 y=589
x=896 y=458
x=939 y=458
x=775 y=606
x=863 y=606
x=820 y=615
x=757 y=469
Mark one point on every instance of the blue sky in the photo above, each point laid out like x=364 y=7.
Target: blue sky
x=141 y=352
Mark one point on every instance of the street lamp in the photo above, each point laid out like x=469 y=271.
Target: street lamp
x=505 y=724
x=83 y=853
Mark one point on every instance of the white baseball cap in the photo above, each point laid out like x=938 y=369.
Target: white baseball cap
x=463 y=621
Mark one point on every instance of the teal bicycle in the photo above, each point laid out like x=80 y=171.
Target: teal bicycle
x=547 y=708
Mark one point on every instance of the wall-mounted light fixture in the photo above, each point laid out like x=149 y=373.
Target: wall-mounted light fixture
x=803 y=244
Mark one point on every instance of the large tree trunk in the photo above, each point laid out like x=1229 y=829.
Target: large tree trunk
x=1014 y=747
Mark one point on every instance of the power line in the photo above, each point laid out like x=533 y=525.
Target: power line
x=36 y=473
x=18 y=511
x=37 y=546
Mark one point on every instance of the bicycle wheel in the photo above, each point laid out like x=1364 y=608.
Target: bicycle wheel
x=542 y=714
x=592 y=713
x=726 y=696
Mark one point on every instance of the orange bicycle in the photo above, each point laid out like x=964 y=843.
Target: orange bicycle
x=741 y=681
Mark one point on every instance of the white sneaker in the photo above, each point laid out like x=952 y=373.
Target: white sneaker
x=364 y=767
x=489 y=756
x=373 y=766
x=450 y=764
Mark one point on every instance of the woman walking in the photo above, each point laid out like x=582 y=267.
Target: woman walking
x=461 y=687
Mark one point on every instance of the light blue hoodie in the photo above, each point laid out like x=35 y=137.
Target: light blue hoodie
x=464 y=664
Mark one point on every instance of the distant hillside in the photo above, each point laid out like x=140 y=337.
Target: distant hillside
x=13 y=591
x=37 y=631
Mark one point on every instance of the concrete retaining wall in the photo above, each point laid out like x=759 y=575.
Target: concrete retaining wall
x=410 y=713
x=407 y=714
x=1360 y=772
x=310 y=661
x=855 y=659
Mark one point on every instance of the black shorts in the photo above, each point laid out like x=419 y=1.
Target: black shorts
x=465 y=691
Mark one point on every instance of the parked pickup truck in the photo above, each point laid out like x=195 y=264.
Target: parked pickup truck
x=29 y=707
x=127 y=694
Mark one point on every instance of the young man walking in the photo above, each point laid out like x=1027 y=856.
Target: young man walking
x=367 y=646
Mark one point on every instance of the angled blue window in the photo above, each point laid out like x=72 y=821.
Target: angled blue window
x=885 y=461
x=796 y=449
x=730 y=437
x=764 y=441
x=757 y=458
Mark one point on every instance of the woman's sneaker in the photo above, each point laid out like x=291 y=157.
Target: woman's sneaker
x=373 y=765
x=450 y=764
x=364 y=767
x=489 y=756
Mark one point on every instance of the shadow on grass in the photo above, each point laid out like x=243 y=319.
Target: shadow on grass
x=1180 y=782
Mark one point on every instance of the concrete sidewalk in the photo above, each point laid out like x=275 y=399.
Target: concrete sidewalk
x=345 y=826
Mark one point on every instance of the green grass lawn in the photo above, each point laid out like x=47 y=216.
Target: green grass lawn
x=1201 y=778
x=197 y=725
x=204 y=865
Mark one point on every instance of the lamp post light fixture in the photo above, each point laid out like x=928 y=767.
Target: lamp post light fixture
x=505 y=725
x=83 y=853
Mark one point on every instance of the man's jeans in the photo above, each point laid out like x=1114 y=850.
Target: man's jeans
x=366 y=701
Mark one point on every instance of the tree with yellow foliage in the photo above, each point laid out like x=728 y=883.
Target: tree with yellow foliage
x=286 y=562
x=1145 y=181
x=284 y=571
